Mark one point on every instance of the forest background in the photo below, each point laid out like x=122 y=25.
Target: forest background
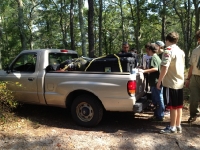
x=95 y=27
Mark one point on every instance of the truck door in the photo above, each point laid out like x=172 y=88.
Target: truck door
x=22 y=79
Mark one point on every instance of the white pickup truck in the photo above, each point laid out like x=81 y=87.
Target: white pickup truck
x=87 y=94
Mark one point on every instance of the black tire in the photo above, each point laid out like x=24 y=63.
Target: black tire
x=86 y=110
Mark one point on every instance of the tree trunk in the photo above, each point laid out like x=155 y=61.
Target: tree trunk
x=188 y=34
x=63 y=22
x=163 y=21
x=100 y=27
x=1 y=38
x=122 y=17
x=21 y=24
x=137 y=32
x=186 y=28
x=31 y=13
x=105 y=43
x=90 y=27
x=197 y=14
x=72 y=24
x=81 y=22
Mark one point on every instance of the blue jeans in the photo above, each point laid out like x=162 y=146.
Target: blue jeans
x=157 y=99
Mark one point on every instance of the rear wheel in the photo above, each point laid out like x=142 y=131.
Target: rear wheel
x=87 y=110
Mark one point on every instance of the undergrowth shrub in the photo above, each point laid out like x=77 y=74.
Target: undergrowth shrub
x=7 y=102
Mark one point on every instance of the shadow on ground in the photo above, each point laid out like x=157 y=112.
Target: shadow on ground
x=111 y=122
x=54 y=128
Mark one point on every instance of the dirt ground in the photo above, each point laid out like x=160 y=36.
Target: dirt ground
x=49 y=128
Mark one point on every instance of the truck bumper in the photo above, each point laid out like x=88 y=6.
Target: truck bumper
x=141 y=104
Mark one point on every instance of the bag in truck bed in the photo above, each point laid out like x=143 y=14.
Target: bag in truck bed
x=76 y=64
x=111 y=64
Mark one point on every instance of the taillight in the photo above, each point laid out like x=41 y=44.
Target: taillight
x=64 y=50
x=131 y=87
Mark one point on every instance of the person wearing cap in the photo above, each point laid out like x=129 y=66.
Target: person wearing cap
x=160 y=46
x=156 y=94
x=125 y=48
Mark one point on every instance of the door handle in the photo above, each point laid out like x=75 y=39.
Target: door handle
x=30 y=79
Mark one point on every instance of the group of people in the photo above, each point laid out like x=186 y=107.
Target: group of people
x=164 y=72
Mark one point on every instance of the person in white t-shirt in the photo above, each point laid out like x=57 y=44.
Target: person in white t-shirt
x=146 y=61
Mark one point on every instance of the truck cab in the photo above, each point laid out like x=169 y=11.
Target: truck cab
x=26 y=72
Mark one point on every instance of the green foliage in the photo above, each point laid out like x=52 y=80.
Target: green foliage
x=46 y=24
x=7 y=102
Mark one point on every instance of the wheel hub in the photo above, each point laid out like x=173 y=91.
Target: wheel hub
x=85 y=111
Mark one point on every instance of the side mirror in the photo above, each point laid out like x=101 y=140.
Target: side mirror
x=6 y=68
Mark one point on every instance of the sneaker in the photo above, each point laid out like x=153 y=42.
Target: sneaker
x=192 y=119
x=179 y=129
x=154 y=118
x=167 y=130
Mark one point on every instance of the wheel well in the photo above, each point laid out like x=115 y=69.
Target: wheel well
x=77 y=93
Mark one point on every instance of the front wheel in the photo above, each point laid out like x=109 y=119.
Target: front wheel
x=87 y=111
